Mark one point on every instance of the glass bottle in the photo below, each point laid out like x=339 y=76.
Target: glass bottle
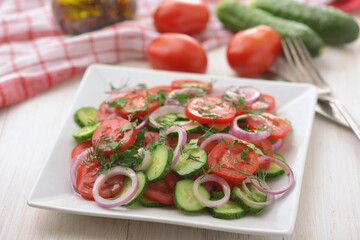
x=80 y=16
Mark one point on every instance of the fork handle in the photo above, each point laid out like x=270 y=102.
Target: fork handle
x=344 y=113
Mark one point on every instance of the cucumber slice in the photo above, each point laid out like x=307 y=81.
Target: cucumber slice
x=161 y=159
x=167 y=119
x=256 y=196
x=142 y=187
x=85 y=116
x=275 y=170
x=148 y=203
x=184 y=198
x=85 y=132
x=191 y=162
x=231 y=210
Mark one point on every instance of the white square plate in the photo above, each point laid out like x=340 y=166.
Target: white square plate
x=295 y=102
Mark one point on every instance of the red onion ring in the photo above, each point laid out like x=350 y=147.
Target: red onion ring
x=143 y=124
x=124 y=198
x=166 y=110
x=277 y=144
x=252 y=136
x=289 y=173
x=75 y=165
x=269 y=200
x=212 y=178
x=249 y=93
x=170 y=101
x=217 y=137
x=181 y=142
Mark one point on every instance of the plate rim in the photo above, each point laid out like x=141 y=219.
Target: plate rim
x=31 y=201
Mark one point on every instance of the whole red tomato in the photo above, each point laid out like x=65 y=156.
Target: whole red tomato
x=252 y=51
x=181 y=16
x=177 y=52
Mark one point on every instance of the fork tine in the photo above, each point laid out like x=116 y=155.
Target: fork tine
x=292 y=58
x=308 y=62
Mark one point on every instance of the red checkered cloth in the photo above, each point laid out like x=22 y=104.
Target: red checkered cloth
x=35 y=55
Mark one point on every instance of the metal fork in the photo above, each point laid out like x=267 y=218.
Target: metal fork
x=300 y=60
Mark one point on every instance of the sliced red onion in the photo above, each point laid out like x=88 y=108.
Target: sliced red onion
x=289 y=173
x=182 y=137
x=277 y=144
x=125 y=197
x=212 y=178
x=194 y=91
x=143 y=124
x=146 y=160
x=217 y=137
x=249 y=93
x=252 y=136
x=166 y=110
x=269 y=200
x=76 y=163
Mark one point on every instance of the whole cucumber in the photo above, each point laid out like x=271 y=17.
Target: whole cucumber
x=237 y=16
x=332 y=25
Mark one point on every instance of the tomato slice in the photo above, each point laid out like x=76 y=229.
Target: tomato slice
x=232 y=161
x=209 y=110
x=103 y=112
x=138 y=104
x=158 y=88
x=266 y=147
x=197 y=135
x=171 y=179
x=118 y=130
x=86 y=176
x=265 y=101
x=150 y=137
x=80 y=148
x=185 y=83
x=160 y=192
x=279 y=127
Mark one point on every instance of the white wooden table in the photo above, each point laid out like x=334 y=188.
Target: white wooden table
x=329 y=205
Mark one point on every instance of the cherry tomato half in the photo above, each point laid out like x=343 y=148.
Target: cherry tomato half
x=279 y=127
x=177 y=52
x=79 y=148
x=86 y=176
x=181 y=16
x=232 y=161
x=138 y=104
x=185 y=83
x=252 y=51
x=118 y=130
x=209 y=110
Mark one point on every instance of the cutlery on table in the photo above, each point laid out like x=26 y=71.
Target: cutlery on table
x=300 y=60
